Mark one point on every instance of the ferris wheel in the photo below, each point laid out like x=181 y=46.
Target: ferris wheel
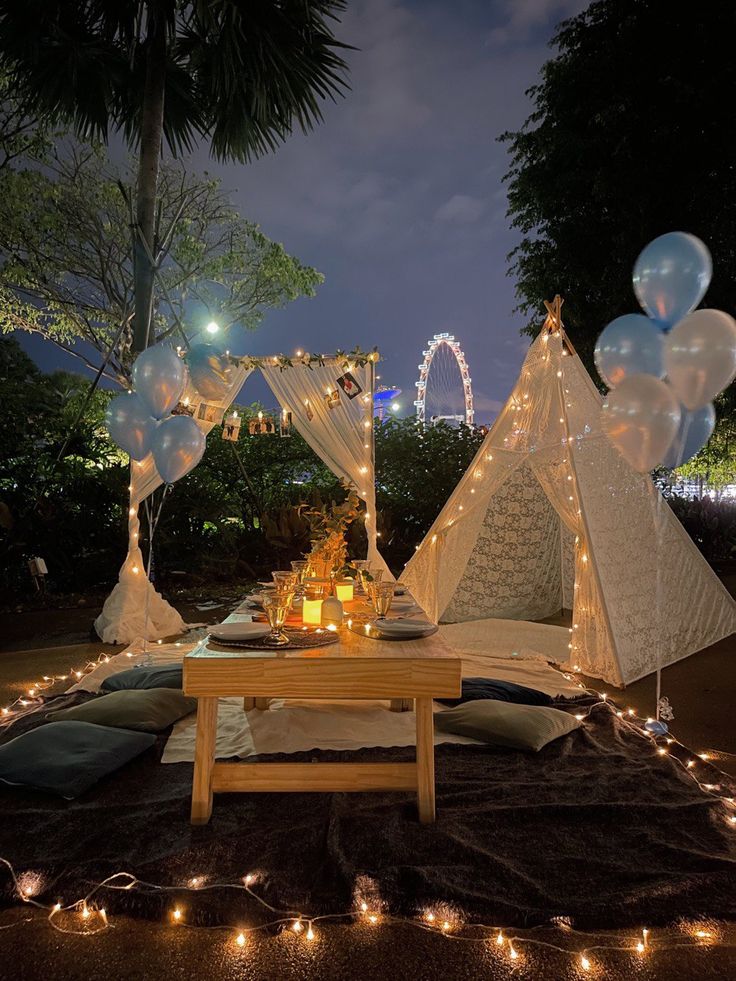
x=444 y=389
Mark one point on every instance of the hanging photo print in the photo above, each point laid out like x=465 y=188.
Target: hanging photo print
x=184 y=408
x=210 y=413
x=332 y=398
x=285 y=423
x=262 y=425
x=231 y=427
x=349 y=385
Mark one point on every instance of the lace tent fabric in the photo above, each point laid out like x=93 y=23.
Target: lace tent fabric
x=550 y=515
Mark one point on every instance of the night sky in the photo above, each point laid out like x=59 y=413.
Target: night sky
x=398 y=197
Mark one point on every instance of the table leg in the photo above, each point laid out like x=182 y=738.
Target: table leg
x=401 y=705
x=204 y=759
x=263 y=703
x=425 y=760
x=248 y=703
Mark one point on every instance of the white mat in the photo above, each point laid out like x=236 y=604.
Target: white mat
x=296 y=726
x=518 y=639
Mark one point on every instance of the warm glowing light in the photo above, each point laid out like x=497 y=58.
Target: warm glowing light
x=212 y=327
x=344 y=591
x=310 y=932
x=312 y=611
x=297 y=926
x=240 y=940
x=513 y=952
x=584 y=962
x=499 y=939
x=176 y=915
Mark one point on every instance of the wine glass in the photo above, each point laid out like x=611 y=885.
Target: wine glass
x=299 y=566
x=285 y=579
x=382 y=594
x=276 y=606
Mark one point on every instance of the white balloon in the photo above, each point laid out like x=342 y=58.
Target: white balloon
x=641 y=417
x=159 y=378
x=131 y=425
x=177 y=446
x=700 y=356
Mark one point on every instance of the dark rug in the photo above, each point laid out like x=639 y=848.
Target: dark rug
x=596 y=827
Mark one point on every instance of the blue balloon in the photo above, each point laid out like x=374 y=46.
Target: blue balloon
x=629 y=345
x=695 y=430
x=130 y=425
x=671 y=276
x=209 y=370
x=159 y=378
x=177 y=446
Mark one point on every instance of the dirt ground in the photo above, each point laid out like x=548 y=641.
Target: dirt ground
x=53 y=641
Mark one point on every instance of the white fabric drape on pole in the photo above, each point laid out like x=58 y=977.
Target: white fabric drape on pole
x=127 y=614
x=341 y=436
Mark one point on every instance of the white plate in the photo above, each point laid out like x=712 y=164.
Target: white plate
x=403 y=629
x=239 y=631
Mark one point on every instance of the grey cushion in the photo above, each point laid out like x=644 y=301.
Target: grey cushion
x=161 y=676
x=67 y=758
x=147 y=710
x=507 y=724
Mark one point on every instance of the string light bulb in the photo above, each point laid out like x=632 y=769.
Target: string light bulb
x=310 y=932
x=240 y=940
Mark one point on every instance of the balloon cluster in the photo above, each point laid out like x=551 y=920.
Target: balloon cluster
x=664 y=369
x=141 y=422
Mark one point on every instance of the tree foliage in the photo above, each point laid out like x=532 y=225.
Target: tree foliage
x=237 y=75
x=66 y=263
x=631 y=136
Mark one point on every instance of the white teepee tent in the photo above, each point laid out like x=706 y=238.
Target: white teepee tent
x=549 y=515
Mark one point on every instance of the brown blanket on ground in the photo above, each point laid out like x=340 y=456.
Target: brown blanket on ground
x=596 y=827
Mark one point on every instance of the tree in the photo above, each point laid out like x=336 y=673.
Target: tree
x=239 y=75
x=631 y=136
x=66 y=270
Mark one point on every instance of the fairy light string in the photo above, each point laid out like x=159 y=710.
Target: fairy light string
x=84 y=917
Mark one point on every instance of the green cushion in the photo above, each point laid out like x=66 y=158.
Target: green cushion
x=507 y=724
x=146 y=710
x=67 y=758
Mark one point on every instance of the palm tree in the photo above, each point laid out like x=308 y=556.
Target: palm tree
x=239 y=73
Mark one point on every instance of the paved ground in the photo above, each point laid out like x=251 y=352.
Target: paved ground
x=702 y=690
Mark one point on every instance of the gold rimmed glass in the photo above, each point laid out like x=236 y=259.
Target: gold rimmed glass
x=285 y=579
x=381 y=594
x=276 y=606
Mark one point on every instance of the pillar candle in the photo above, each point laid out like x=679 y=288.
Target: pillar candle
x=312 y=611
x=344 y=591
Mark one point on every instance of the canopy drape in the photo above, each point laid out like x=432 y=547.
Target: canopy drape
x=340 y=434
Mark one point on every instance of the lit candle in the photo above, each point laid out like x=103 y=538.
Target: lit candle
x=344 y=591
x=312 y=611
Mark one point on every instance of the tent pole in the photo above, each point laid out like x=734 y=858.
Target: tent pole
x=583 y=520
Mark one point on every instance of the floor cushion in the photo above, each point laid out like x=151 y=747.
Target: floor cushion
x=67 y=758
x=501 y=691
x=158 y=676
x=505 y=724
x=146 y=710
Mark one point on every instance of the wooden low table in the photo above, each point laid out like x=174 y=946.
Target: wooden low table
x=354 y=668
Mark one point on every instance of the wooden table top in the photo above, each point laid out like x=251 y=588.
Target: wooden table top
x=355 y=667
x=350 y=645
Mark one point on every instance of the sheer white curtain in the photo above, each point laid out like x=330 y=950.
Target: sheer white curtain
x=134 y=608
x=341 y=435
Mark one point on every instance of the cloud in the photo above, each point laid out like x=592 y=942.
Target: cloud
x=460 y=208
x=523 y=17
